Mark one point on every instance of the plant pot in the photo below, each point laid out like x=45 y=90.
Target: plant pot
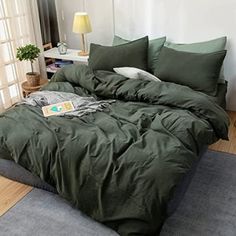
x=33 y=79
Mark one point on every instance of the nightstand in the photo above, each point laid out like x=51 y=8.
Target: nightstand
x=71 y=55
x=26 y=89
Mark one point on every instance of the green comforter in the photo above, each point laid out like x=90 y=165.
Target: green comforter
x=120 y=166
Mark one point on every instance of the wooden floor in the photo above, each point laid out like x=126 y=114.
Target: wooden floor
x=11 y=192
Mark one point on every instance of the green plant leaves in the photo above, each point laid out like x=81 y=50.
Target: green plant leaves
x=28 y=53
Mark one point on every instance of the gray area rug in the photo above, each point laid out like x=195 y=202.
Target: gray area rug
x=208 y=208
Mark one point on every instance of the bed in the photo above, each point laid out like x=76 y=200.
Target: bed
x=127 y=163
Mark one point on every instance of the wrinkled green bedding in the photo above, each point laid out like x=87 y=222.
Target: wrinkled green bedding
x=119 y=166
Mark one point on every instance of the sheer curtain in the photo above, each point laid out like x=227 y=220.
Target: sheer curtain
x=2 y=109
x=16 y=29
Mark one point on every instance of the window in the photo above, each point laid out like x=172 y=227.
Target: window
x=15 y=30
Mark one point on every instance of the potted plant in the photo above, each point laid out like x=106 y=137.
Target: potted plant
x=30 y=53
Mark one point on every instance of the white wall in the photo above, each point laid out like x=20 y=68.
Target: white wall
x=180 y=20
x=101 y=17
x=65 y=15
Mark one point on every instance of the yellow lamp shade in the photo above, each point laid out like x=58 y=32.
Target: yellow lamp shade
x=81 y=23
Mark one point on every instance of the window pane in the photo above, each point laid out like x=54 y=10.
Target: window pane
x=9 y=33
x=19 y=42
x=10 y=7
x=13 y=91
x=21 y=26
x=10 y=73
x=5 y=4
x=14 y=32
x=6 y=52
x=2 y=96
x=16 y=7
x=24 y=25
x=20 y=6
x=27 y=66
x=3 y=30
x=1 y=9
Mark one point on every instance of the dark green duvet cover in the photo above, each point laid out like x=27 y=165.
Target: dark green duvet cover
x=119 y=166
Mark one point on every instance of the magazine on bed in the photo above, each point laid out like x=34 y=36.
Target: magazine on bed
x=58 y=108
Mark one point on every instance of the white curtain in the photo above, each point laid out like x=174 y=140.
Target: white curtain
x=36 y=34
x=17 y=28
x=2 y=109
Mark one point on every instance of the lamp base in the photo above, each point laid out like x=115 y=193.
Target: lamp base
x=82 y=53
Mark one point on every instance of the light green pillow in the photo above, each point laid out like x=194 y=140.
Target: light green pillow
x=155 y=46
x=210 y=46
x=119 y=41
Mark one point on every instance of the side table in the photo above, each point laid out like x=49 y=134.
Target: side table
x=27 y=89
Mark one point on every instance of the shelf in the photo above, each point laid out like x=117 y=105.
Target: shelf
x=52 y=68
x=48 y=69
x=71 y=55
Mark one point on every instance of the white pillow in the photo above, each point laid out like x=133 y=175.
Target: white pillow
x=135 y=73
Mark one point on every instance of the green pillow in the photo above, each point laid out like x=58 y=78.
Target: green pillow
x=155 y=46
x=133 y=54
x=196 y=70
x=119 y=41
x=214 y=45
x=210 y=46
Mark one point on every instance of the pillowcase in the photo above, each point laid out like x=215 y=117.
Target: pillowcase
x=135 y=73
x=155 y=46
x=210 y=46
x=119 y=41
x=196 y=70
x=133 y=54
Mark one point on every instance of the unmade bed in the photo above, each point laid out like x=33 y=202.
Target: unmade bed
x=121 y=166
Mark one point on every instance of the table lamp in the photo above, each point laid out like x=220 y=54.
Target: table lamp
x=82 y=26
